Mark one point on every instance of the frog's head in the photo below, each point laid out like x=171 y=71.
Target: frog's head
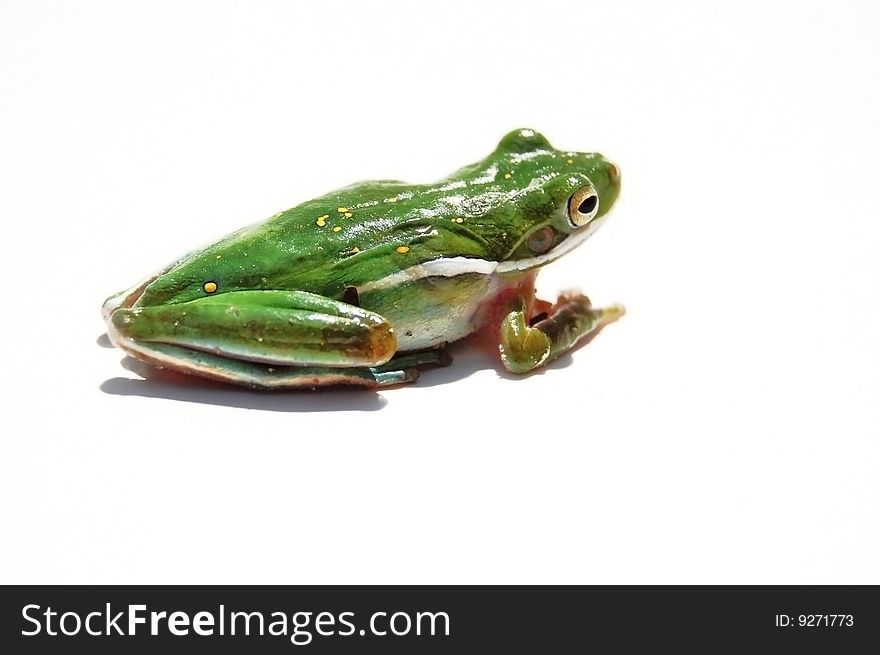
x=548 y=201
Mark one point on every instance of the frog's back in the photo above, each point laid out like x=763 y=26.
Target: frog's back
x=363 y=232
x=385 y=234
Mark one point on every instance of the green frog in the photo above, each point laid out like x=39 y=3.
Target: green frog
x=367 y=284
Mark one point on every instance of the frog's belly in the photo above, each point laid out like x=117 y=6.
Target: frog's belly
x=434 y=310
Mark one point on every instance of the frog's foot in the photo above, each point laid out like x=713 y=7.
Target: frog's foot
x=400 y=369
x=528 y=342
x=408 y=365
x=257 y=375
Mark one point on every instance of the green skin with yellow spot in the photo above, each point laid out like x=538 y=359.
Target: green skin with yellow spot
x=366 y=284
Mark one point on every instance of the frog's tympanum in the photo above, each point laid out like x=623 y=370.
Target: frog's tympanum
x=367 y=284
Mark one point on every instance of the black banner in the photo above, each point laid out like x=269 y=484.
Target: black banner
x=449 y=619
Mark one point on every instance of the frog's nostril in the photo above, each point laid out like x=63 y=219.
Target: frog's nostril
x=613 y=172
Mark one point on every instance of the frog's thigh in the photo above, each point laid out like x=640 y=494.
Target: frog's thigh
x=525 y=347
x=285 y=328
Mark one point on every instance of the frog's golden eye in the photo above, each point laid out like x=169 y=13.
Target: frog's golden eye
x=583 y=206
x=541 y=240
x=209 y=287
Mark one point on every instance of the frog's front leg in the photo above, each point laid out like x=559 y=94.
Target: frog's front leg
x=528 y=341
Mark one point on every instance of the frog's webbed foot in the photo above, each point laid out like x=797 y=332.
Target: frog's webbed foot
x=406 y=367
x=527 y=342
x=400 y=369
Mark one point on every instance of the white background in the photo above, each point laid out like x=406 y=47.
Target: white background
x=726 y=430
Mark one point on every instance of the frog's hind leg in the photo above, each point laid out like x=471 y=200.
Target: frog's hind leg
x=256 y=375
x=401 y=369
x=527 y=342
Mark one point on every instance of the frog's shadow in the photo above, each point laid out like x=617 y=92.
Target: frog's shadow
x=469 y=356
x=162 y=383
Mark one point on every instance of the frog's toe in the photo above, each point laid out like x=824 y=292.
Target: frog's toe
x=608 y=315
x=392 y=378
x=415 y=360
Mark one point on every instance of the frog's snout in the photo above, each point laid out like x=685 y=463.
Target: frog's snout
x=613 y=174
x=609 y=187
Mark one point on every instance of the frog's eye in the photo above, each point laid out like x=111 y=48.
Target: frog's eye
x=541 y=240
x=583 y=206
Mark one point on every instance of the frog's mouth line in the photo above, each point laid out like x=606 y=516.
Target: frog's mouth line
x=569 y=244
x=453 y=266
